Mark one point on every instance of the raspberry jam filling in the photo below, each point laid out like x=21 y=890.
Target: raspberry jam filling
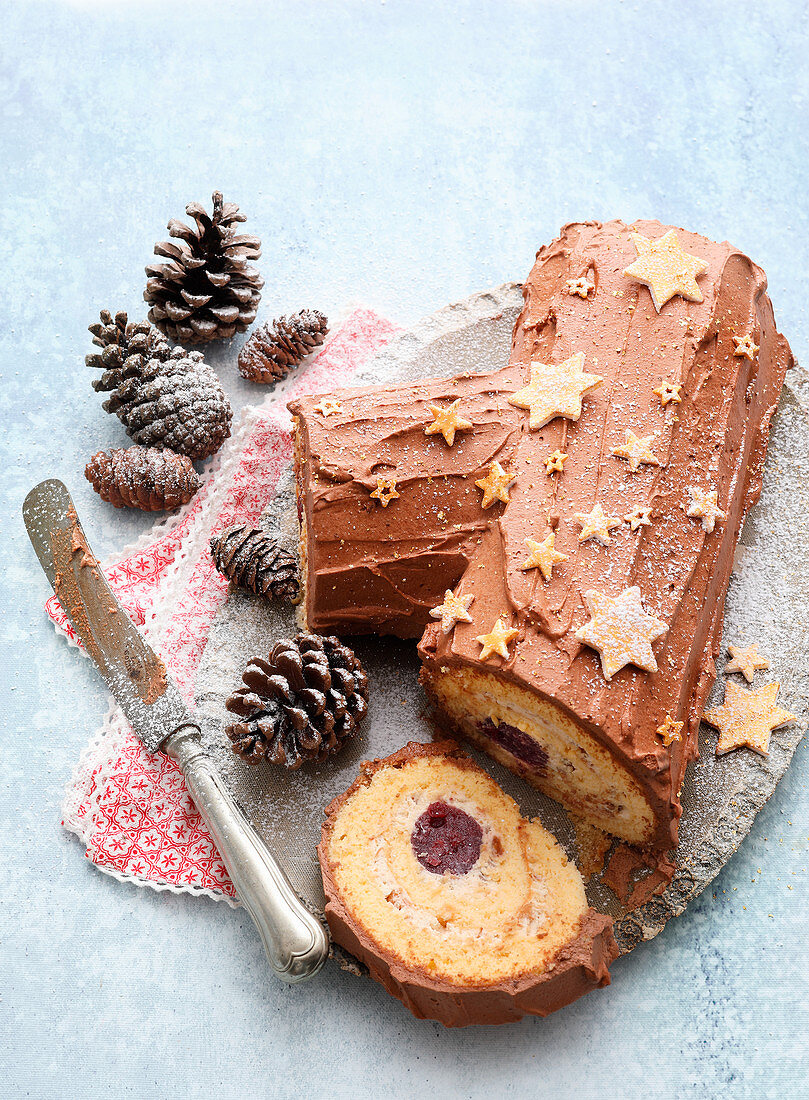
x=446 y=840
x=516 y=742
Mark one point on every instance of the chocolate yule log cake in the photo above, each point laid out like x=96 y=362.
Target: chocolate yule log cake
x=560 y=531
x=462 y=909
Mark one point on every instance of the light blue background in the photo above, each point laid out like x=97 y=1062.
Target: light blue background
x=402 y=155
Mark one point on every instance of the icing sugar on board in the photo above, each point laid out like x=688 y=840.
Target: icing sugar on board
x=721 y=795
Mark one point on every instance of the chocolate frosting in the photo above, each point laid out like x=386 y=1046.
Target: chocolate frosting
x=581 y=965
x=100 y=621
x=382 y=569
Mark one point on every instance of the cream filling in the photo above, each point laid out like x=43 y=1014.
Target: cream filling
x=532 y=920
x=579 y=772
x=560 y=756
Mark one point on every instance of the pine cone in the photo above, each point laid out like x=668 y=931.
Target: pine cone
x=126 y=347
x=273 y=350
x=142 y=477
x=253 y=561
x=206 y=290
x=175 y=402
x=300 y=704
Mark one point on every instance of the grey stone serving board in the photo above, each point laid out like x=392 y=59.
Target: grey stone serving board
x=766 y=603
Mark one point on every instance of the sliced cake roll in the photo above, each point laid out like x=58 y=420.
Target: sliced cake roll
x=458 y=906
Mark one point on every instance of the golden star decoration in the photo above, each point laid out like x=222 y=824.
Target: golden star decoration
x=328 y=407
x=542 y=555
x=495 y=485
x=666 y=269
x=595 y=525
x=447 y=422
x=555 y=462
x=579 y=287
x=497 y=640
x=454 y=609
x=703 y=506
x=745 y=346
x=669 y=391
x=621 y=630
x=747 y=718
x=639 y=517
x=745 y=660
x=385 y=490
x=555 y=389
x=637 y=449
x=670 y=730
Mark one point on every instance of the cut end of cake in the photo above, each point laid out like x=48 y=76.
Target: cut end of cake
x=461 y=908
x=546 y=746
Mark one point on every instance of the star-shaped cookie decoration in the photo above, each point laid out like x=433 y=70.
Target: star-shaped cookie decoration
x=595 y=525
x=542 y=555
x=745 y=346
x=447 y=422
x=555 y=462
x=495 y=485
x=639 y=517
x=703 y=506
x=328 y=407
x=666 y=269
x=497 y=640
x=385 y=490
x=747 y=718
x=669 y=391
x=454 y=609
x=579 y=287
x=637 y=449
x=745 y=660
x=621 y=630
x=555 y=389
x=670 y=730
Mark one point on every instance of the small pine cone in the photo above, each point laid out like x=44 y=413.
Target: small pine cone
x=142 y=477
x=126 y=346
x=273 y=350
x=206 y=289
x=174 y=402
x=301 y=703
x=253 y=561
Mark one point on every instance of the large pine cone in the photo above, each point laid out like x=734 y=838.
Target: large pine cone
x=253 y=561
x=176 y=402
x=142 y=477
x=273 y=350
x=125 y=347
x=206 y=290
x=300 y=704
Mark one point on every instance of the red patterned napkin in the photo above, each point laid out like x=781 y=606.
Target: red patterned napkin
x=130 y=809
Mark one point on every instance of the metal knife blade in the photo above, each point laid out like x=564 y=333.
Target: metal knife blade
x=296 y=943
x=133 y=672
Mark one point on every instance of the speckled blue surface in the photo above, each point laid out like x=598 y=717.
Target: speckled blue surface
x=402 y=155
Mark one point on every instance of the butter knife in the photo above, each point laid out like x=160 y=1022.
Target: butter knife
x=295 y=941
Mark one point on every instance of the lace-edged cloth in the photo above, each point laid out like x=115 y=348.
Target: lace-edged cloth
x=131 y=810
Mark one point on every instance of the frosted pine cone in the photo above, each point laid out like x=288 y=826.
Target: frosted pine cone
x=273 y=350
x=126 y=346
x=206 y=289
x=301 y=703
x=142 y=477
x=253 y=561
x=175 y=402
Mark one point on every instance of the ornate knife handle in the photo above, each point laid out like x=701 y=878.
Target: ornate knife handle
x=295 y=941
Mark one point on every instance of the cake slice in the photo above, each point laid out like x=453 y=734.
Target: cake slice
x=458 y=906
x=583 y=525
